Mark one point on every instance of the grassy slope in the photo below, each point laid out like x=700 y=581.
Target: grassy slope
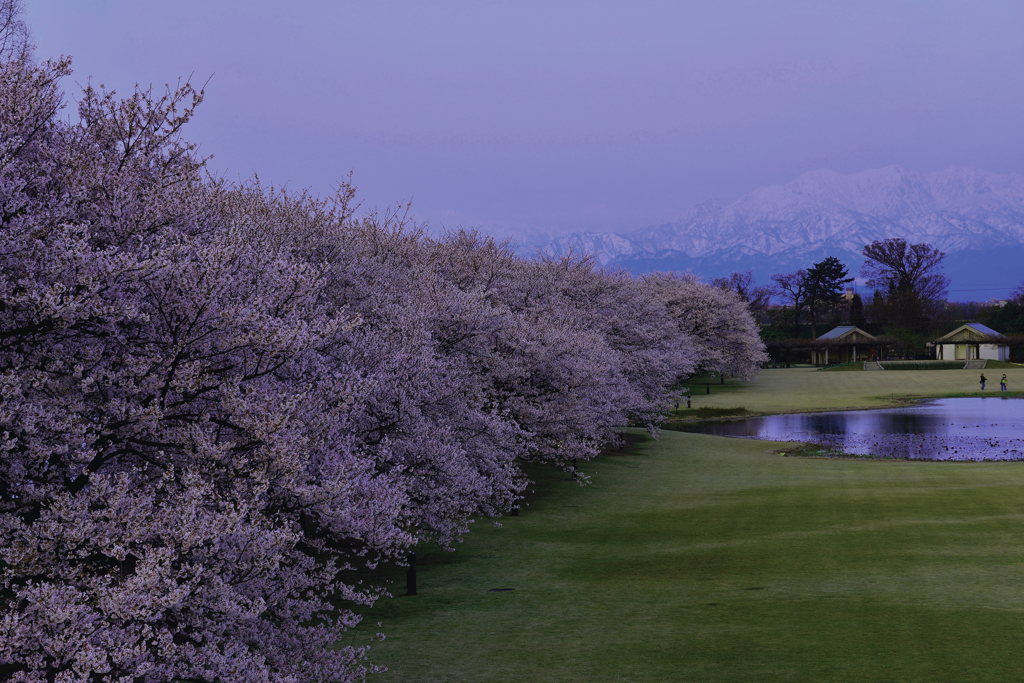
x=702 y=558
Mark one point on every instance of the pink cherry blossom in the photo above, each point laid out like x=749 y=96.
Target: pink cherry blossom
x=221 y=404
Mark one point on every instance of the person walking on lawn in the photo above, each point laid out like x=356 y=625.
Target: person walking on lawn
x=982 y=381
x=1002 y=382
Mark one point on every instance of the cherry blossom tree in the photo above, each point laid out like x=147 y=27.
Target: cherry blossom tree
x=725 y=335
x=585 y=353
x=14 y=42
x=221 y=404
x=175 y=497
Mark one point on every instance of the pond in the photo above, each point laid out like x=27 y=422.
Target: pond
x=941 y=429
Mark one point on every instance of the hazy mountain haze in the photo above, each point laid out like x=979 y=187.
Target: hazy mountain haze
x=580 y=115
x=975 y=216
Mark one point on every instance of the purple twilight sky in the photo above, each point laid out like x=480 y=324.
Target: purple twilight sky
x=527 y=116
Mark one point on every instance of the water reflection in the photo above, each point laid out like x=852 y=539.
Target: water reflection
x=942 y=429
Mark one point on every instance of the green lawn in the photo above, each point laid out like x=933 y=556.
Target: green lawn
x=804 y=389
x=702 y=558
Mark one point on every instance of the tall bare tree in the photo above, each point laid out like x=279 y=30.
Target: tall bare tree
x=792 y=289
x=912 y=284
x=894 y=265
x=757 y=298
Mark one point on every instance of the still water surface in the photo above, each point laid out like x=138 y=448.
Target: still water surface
x=941 y=429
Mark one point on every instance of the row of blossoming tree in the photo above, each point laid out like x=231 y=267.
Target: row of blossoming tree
x=220 y=403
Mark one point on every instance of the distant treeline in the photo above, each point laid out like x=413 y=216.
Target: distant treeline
x=907 y=304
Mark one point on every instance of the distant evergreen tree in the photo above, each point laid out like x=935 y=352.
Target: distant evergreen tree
x=857 y=312
x=1007 y=318
x=877 y=302
x=825 y=283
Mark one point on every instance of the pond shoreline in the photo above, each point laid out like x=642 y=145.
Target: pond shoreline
x=814 y=451
x=973 y=428
x=680 y=416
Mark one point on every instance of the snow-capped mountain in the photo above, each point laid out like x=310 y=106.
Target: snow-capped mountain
x=971 y=214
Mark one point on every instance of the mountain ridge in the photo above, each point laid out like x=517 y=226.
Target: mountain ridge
x=958 y=210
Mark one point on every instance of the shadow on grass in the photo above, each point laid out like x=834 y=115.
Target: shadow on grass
x=545 y=492
x=857 y=366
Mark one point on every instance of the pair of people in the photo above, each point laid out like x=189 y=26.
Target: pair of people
x=1002 y=382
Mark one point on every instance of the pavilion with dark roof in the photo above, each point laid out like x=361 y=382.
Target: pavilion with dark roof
x=845 y=344
x=972 y=341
